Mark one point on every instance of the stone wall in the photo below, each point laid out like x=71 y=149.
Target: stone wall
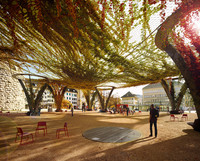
x=12 y=96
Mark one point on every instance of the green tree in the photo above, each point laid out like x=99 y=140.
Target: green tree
x=114 y=101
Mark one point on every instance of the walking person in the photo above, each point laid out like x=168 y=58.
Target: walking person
x=127 y=110
x=39 y=110
x=153 y=120
x=72 y=110
x=83 y=107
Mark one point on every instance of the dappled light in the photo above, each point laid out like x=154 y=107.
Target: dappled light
x=76 y=147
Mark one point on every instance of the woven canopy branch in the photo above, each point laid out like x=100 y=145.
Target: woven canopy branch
x=83 y=44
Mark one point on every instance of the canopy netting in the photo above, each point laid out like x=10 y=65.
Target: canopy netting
x=84 y=43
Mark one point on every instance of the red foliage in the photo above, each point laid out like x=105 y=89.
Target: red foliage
x=9 y=12
x=152 y=1
x=191 y=56
x=58 y=7
x=72 y=12
x=103 y=2
x=163 y=8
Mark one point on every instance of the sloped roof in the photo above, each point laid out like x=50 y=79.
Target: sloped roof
x=128 y=94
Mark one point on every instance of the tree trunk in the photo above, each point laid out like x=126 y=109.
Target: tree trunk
x=102 y=100
x=167 y=91
x=162 y=42
x=87 y=97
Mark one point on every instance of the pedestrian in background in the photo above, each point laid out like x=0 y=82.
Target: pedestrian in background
x=83 y=107
x=72 y=110
x=127 y=110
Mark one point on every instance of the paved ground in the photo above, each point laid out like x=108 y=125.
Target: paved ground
x=176 y=140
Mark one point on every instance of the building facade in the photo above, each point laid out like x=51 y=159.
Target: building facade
x=47 y=100
x=71 y=96
x=155 y=94
x=132 y=100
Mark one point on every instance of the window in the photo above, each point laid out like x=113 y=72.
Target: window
x=69 y=94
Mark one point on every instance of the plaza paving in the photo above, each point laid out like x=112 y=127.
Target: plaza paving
x=176 y=141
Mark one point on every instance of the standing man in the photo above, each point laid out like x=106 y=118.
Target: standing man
x=72 y=110
x=127 y=110
x=83 y=107
x=153 y=119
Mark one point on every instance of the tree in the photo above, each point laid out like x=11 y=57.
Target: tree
x=58 y=90
x=174 y=100
x=186 y=59
x=66 y=104
x=114 y=101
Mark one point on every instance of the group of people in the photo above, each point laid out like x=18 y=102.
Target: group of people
x=83 y=109
x=154 y=114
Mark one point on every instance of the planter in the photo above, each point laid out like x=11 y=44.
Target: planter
x=103 y=110
x=176 y=112
x=196 y=125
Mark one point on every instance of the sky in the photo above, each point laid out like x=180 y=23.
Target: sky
x=133 y=90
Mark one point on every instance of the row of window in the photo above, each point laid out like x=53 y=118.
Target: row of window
x=49 y=100
x=71 y=94
x=155 y=95
x=70 y=98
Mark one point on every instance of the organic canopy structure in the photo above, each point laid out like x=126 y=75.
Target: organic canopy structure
x=83 y=43
x=185 y=53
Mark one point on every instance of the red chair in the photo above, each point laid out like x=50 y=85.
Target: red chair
x=173 y=117
x=62 y=129
x=184 y=116
x=41 y=126
x=22 y=135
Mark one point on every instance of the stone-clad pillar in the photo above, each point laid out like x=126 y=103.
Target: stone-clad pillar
x=11 y=93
